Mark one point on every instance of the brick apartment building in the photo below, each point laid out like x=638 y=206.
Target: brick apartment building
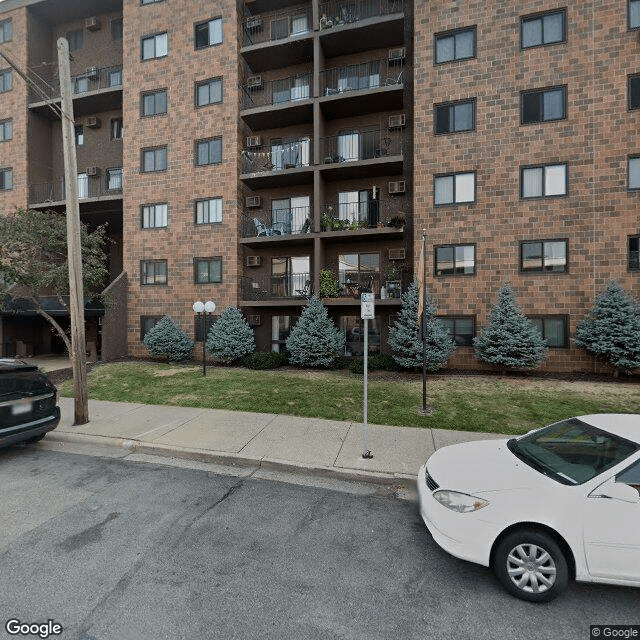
x=252 y=153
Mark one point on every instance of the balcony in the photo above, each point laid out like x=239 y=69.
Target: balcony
x=347 y=91
x=287 y=162
x=277 y=103
x=362 y=153
x=94 y=91
x=350 y=26
x=90 y=188
x=278 y=39
x=343 y=286
x=267 y=289
x=290 y=224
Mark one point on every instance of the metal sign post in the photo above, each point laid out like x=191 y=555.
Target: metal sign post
x=367 y=312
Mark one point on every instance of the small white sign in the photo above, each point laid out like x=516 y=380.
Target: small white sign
x=367 y=306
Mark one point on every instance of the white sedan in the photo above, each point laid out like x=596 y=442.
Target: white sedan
x=561 y=502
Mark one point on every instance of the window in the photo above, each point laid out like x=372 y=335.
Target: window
x=155 y=46
x=6 y=179
x=208 y=33
x=114 y=179
x=634 y=253
x=291 y=89
x=287 y=154
x=553 y=330
x=634 y=173
x=116 y=128
x=634 y=14
x=461 y=329
x=149 y=1
x=153 y=272
x=542 y=29
x=6 y=31
x=79 y=134
x=455 y=259
x=280 y=329
x=114 y=78
x=209 y=151
x=456 y=45
x=543 y=105
x=153 y=103
x=154 y=215
x=544 y=255
x=75 y=39
x=154 y=159
x=209 y=211
x=207 y=270
x=358 y=272
x=455 y=116
x=6 y=130
x=455 y=188
x=290 y=215
x=80 y=84
x=633 y=84
x=543 y=182
x=290 y=276
x=147 y=323
x=5 y=80
x=631 y=476
x=116 y=29
x=352 y=328
x=82 y=183
x=208 y=92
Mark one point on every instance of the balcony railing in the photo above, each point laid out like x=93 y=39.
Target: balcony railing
x=390 y=282
x=277 y=26
x=88 y=187
x=278 y=222
x=360 y=145
x=339 y=12
x=283 y=154
x=354 y=77
x=345 y=216
x=292 y=285
x=277 y=92
x=91 y=80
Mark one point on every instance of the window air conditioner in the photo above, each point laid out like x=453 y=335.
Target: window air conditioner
x=93 y=122
x=397 y=122
x=254 y=24
x=397 y=55
x=92 y=23
x=254 y=82
x=396 y=254
x=92 y=171
x=253 y=201
x=253 y=261
x=397 y=187
x=253 y=142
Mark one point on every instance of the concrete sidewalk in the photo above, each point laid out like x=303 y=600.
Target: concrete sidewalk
x=308 y=445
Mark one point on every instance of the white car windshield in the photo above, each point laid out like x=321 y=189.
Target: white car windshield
x=572 y=451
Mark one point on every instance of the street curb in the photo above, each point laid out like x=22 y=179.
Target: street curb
x=231 y=459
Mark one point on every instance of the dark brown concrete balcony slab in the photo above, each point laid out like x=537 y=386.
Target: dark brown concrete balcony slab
x=90 y=189
x=278 y=115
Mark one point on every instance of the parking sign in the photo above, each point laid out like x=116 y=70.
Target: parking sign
x=367 y=306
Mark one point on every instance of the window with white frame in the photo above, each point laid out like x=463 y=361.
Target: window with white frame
x=114 y=179
x=545 y=181
x=154 y=215
x=454 y=188
x=633 y=173
x=155 y=46
x=208 y=92
x=153 y=272
x=543 y=256
x=6 y=179
x=455 y=259
x=6 y=80
x=208 y=33
x=540 y=29
x=6 y=30
x=209 y=211
x=6 y=130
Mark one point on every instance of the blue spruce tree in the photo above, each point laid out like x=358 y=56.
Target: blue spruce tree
x=404 y=336
x=230 y=338
x=511 y=340
x=611 y=330
x=167 y=340
x=314 y=341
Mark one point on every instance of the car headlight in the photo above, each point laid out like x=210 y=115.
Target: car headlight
x=460 y=502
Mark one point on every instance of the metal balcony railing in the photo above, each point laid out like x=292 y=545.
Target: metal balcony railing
x=283 y=154
x=338 y=12
x=277 y=222
x=88 y=187
x=366 y=75
x=388 y=282
x=354 y=145
x=267 y=27
x=370 y=213
x=277 y=92
x=92 y=79
x=292 y=285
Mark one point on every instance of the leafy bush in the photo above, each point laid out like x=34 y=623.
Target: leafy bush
x=265 y=360
x=230 y=338
x=167 y=340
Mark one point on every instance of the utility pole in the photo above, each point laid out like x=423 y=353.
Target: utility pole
x=74 y=247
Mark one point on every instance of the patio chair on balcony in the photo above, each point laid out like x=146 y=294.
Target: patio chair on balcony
x=263 y=230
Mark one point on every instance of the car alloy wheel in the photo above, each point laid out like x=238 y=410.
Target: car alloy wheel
x=531 y=566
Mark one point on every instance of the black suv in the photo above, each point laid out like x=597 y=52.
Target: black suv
x=27 y=403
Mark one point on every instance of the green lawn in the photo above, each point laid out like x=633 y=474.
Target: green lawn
x=468 y=403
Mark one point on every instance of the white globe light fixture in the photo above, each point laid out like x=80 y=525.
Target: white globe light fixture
x=198 y=307
x=209 y=306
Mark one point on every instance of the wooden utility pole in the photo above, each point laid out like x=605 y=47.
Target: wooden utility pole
x=74 y=247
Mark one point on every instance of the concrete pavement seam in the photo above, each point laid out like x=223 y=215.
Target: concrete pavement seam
x=255 y=435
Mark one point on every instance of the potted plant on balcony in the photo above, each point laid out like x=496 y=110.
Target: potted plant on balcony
x=392 y=277
x=326 y=219
x=396 y=220
x=329 y=287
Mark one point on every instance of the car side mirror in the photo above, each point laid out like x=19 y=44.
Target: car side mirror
x=616 y=491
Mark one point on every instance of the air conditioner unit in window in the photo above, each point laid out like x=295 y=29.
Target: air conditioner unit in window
x=397 y=122
x=254 y=24
x=397 y=187
x=254 y=82
x=93 y=122
x=254 y=142
x=253 y=261
x=92 y=23
x=92 y=73
x=396 y=254
x=253 y=201
x=254 y=321
x=92 y=171
x=397 y=55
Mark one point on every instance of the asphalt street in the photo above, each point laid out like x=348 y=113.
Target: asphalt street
x=113 y=549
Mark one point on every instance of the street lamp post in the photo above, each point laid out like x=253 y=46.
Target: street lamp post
x=203 y=310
